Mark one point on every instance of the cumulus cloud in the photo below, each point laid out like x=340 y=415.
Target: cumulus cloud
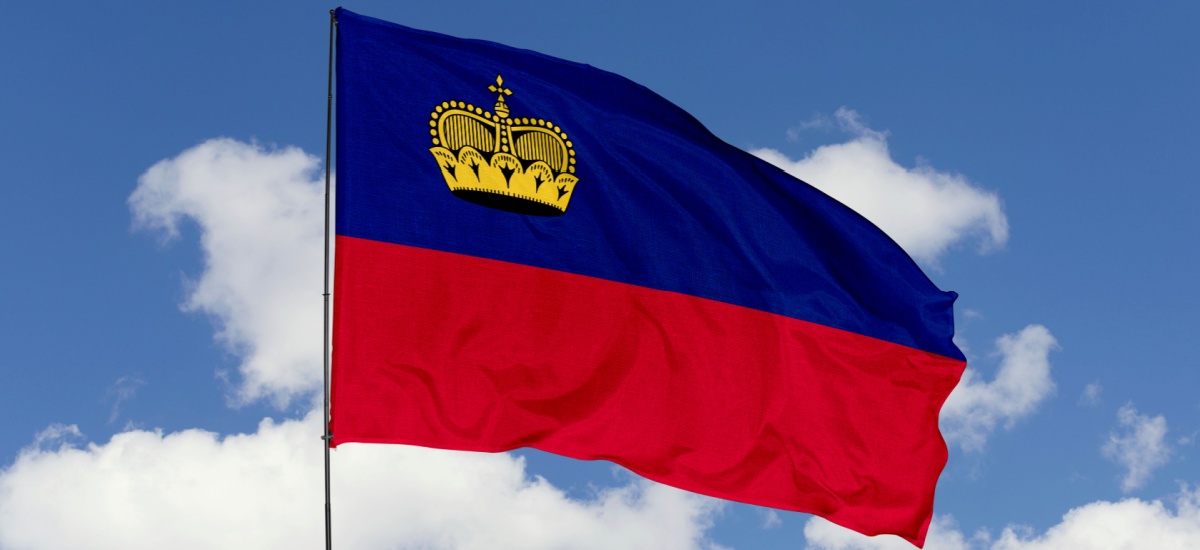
x=195 y=489
x=55 y=436
x=260 y=213
x=943 y=535
x=1129 y=524
x=925 y=210
x=1141 y=446
x=977 y=406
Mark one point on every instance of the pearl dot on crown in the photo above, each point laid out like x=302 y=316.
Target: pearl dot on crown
x=435 y=141
x=444 y=106
x=433 y=132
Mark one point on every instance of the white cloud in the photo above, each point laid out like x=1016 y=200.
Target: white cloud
x=59 y=435
x=195 y=489
x=1129 y=524
x=771 y=519
x=819 y=121
x=124 y=389
x=1141 y=448
x=1091 y=394
x=925 y=210
x=943 y=535
x=1023 y=381
x=260 y=214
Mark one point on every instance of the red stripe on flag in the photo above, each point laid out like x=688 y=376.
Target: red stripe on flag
x=457 y=352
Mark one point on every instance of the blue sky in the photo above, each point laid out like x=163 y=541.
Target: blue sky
x=1038 y=159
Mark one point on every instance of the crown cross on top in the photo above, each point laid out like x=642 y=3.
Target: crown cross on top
x=516 y=164
x=501 y=107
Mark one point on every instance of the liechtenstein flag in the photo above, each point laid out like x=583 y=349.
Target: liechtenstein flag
x=532 y=252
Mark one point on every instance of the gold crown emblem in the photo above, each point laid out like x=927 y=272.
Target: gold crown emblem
x=522 y=165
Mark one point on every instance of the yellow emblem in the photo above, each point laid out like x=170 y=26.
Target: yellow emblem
x=522 y=165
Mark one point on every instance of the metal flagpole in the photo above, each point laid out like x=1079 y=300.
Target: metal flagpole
x=328 y=131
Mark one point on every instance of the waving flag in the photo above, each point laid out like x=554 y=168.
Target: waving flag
x=535 y=253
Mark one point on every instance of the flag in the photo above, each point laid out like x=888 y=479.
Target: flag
x=532 y=252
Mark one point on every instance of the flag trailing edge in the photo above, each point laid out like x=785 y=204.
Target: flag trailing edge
x=536 y=253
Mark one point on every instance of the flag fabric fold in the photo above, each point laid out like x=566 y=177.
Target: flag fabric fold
x=536 y=253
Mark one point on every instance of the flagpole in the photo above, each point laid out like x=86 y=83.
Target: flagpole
x=326 y=439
